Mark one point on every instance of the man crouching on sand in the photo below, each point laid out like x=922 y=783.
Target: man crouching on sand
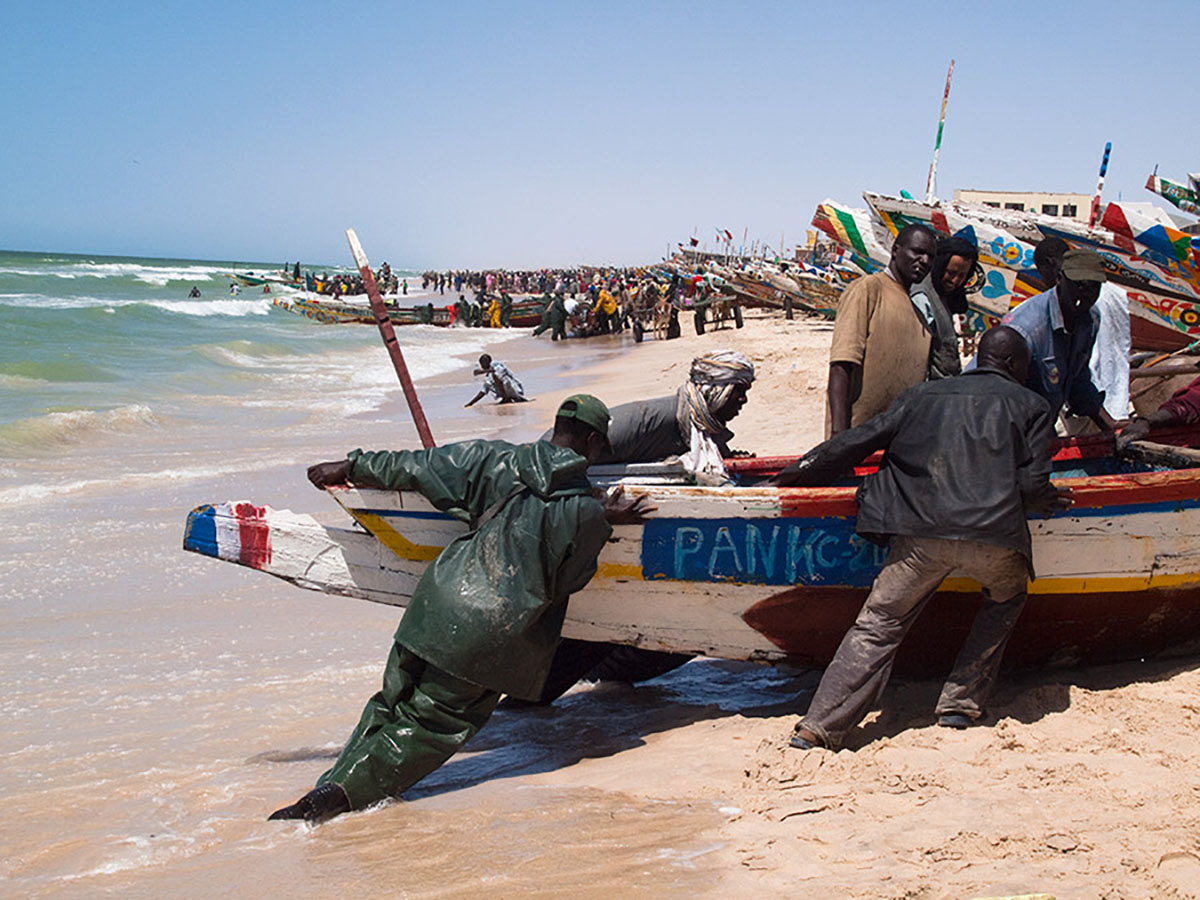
x=967 y=459
x=487 y=614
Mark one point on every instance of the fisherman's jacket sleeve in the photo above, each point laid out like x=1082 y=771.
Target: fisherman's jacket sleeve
x=456 y=478
x=1085 y=399
x=827 y=462
x=1184 y=405
x=579 y=562
x=1033 y=472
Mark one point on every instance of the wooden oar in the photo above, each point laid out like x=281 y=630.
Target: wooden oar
x=389 y=339
x=1190 y=348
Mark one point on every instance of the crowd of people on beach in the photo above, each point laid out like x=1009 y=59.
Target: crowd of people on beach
x=574 y=303
x=968 y=460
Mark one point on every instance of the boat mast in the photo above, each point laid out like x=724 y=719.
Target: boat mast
x=1095 y=213
x=931 y=184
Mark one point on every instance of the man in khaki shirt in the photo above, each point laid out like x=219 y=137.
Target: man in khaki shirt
x=880 y=338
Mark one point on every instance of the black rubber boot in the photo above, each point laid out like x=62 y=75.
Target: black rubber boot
x=318 y=805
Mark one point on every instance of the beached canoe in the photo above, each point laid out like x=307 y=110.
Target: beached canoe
x=1150 y=261
x=762 y=573
x=525 y=313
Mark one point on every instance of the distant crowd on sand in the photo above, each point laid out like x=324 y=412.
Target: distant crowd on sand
x=578 y=303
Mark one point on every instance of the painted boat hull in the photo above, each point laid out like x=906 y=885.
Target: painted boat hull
x=525 y=314
x=1143 y=258
x=779 y=574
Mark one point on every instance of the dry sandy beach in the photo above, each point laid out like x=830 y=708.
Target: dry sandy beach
x=197 y=697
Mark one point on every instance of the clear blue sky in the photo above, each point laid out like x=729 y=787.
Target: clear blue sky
x=478 y=134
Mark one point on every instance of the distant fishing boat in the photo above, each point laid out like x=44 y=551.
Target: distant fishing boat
x=1184 y=196
x=525 y=313
x=761 y=573
x=250 y=279
x=1152 y=262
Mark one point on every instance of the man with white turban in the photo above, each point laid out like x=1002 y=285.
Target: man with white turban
x=693 y=425
x=715 y=392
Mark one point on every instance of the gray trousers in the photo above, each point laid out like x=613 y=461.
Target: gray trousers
x=915 y=567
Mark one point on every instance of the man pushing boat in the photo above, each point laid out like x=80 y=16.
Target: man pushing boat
x=967 y=459
x=487 y=614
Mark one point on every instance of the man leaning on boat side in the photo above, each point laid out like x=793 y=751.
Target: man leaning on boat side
x=1060 y=326
x=696 y=416
x=881 y=336
x=968 y=458
x=487 y=614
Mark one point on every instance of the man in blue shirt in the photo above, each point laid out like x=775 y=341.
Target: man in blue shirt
x=1060 y=327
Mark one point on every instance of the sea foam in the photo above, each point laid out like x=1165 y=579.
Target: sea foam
x=59 y=429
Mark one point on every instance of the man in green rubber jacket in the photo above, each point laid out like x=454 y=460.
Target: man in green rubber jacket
x=486 y=616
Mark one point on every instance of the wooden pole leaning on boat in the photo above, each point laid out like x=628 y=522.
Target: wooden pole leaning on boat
x=1162 y=454
x=1165 y=371
x=389 y=339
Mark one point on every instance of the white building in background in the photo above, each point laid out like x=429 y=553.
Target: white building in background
x=1070 y=206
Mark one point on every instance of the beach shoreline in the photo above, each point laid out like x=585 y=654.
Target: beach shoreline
x=166 y=703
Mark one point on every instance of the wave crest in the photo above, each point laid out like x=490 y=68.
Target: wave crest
x=64 y=429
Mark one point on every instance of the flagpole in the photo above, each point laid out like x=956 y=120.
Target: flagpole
x=931 y=184
x=1094 y=214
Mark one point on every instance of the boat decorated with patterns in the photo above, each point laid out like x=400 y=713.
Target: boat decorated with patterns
x=755 y=572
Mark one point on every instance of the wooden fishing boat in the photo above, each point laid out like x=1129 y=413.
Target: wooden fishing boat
x=1148 y=260
x=250 y=279
x=760 y=573
x=327 y=312
x=525 y=313
x=1183 y=196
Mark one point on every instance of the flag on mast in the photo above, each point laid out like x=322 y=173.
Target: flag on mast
x=1095 y=213
x=931 y=184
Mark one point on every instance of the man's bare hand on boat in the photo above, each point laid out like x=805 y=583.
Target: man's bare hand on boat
x=324 y=474
x=1054 y=500
x=622 y=510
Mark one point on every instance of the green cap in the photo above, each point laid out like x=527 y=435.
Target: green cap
x=587 y=409
x=1083 y=265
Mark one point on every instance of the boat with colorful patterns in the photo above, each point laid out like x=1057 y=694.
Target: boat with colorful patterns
x=755 y=572
x=1151 y=261
x=526 y=313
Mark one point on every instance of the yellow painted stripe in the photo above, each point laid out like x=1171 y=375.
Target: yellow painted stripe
x=1099 y=585
x=619 y=570
x=394 y=540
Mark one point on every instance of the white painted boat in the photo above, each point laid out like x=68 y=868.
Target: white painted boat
x=772 y=574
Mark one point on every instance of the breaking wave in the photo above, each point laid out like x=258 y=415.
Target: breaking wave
x=259 y=306
x=63 y=429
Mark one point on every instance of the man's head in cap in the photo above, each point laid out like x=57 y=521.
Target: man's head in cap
x=581 y=424
x=1078 y=284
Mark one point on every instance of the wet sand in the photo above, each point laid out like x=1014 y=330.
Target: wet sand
x=160 y=705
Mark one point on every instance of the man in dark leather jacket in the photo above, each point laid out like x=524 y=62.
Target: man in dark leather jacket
x=967 y=459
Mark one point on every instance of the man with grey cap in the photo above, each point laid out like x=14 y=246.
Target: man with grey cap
x=1060 y=327
x=487 y=614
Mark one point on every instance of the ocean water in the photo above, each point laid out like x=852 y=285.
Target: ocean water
x=158 y=705
x=100 y=352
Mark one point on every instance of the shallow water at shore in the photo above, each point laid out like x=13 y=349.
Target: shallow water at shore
x=160 y=705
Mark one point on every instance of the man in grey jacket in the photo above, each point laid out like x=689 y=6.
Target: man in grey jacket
x=967 y=459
